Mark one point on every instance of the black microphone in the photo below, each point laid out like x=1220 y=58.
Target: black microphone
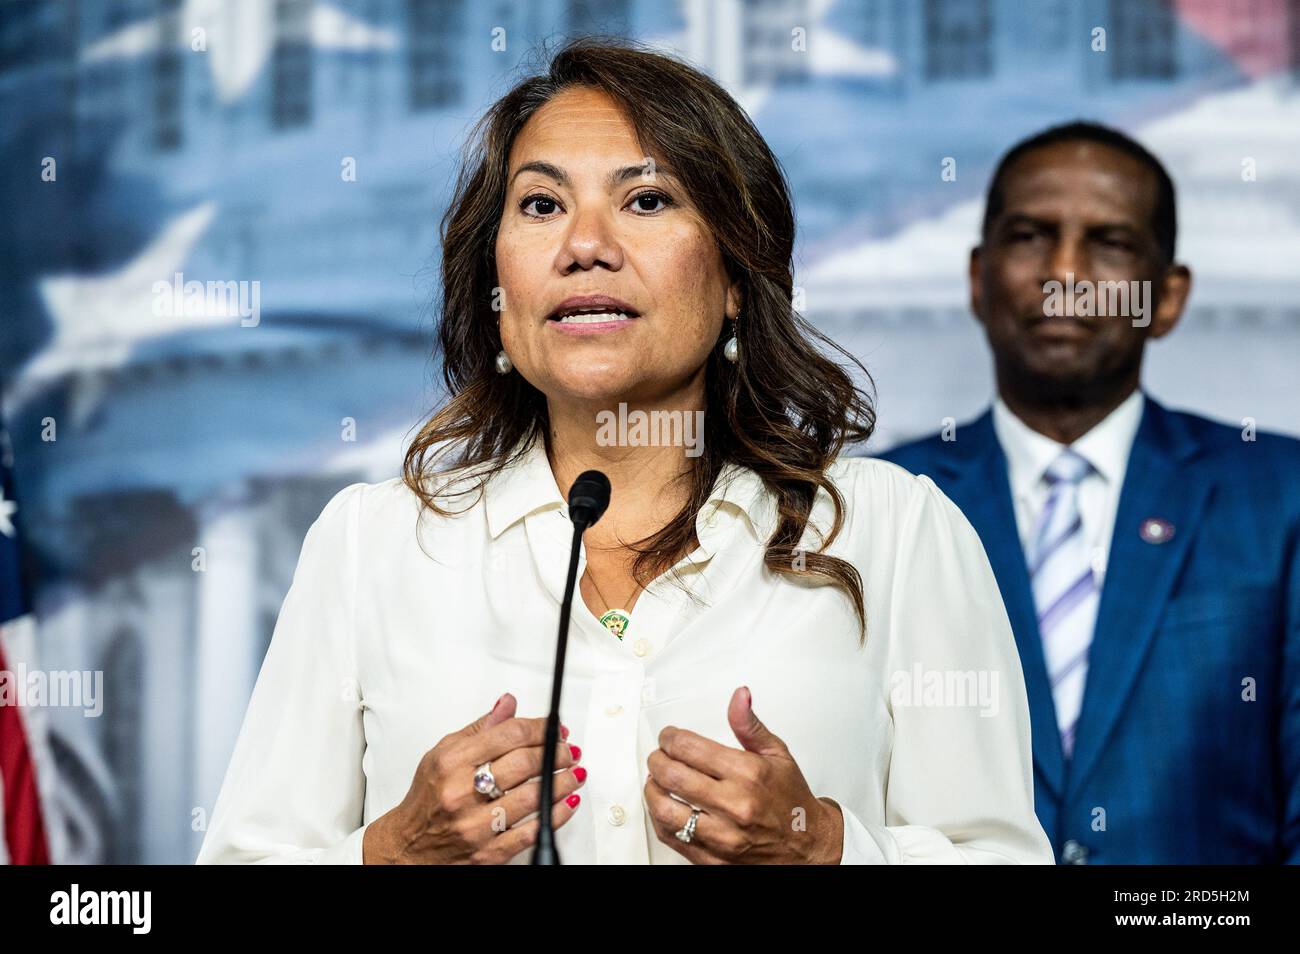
x=588 y=500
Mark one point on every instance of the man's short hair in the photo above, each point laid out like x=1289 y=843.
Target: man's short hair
x=1164 y=221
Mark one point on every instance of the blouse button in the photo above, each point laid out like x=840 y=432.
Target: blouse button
x=616 y=815
x=614 y=710
x=641 y=647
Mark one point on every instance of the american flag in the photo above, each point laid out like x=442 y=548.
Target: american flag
x=24 y=841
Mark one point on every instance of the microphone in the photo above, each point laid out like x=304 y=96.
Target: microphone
x=588 y=501
x=589 y=498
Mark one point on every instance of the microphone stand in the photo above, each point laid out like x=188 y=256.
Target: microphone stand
x=588 y=499
x=544 y=852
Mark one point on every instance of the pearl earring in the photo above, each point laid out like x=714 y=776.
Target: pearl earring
x=504 y=364
x=731 y=350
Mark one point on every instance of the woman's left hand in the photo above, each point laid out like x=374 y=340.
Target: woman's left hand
x=757 y=807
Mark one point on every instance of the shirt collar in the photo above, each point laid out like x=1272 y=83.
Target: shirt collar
x=527 y=485
x=1106 y=446
x=522 y=487
x=739 y=491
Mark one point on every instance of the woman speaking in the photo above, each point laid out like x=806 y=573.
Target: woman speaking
x=779 y=655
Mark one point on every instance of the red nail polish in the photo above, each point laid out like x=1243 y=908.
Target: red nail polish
x=572 y=800
x=564 y=731
x=575 y=752
x=581 y=773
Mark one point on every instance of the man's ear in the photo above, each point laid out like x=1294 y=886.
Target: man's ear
x=1175 y=287
x=976 y=284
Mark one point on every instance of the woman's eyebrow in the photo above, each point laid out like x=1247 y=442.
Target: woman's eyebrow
x=616 y=177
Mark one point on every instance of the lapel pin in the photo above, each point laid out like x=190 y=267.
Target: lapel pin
x=1155 y=530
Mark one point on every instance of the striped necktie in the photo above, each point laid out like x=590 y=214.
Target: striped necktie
x=1065 y=590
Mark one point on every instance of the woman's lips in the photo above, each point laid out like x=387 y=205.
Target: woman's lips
x=590 y=327
x=592 y=304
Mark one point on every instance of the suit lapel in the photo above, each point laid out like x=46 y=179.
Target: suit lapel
x=1139 y=575
x=977 y=482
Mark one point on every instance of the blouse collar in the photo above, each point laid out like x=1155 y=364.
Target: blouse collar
x=527 y=485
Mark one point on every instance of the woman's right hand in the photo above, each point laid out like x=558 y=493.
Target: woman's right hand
x=443 y=820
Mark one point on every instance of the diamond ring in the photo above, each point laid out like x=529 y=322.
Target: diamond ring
x=485 y=782
x=688 y=831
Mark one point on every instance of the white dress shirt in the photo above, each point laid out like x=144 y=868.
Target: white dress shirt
x=392 y=637
x=1106 y=446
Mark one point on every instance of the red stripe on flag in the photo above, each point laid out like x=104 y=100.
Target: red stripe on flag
x=24 y=827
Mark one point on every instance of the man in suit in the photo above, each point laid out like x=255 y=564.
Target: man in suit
x=1149 y=559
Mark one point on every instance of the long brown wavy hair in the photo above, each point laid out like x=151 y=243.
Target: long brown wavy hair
x=784 y=410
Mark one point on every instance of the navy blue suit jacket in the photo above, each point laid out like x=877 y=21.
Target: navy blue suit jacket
x=1188 y=743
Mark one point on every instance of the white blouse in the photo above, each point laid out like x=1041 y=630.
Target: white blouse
x=391 y=637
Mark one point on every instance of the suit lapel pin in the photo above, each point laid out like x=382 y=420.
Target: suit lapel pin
x=1155 y=530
